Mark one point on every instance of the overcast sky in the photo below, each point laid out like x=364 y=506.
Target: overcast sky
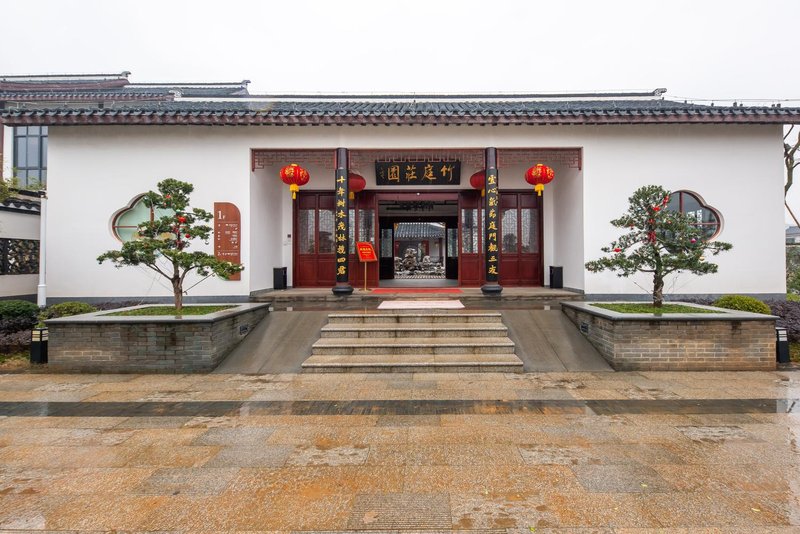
x=699 y=49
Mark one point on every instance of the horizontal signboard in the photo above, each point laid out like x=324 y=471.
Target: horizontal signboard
x=418 y=172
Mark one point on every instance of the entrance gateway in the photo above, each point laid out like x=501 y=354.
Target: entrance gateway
x=441 y=231
x=427 y=233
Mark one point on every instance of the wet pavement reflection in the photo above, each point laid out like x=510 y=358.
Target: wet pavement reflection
x=539 y=452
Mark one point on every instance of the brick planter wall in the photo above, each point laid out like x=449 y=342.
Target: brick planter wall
x=725 y=341
x=97 y=342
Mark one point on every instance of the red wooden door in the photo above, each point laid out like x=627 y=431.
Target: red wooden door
x=521 y=239
x=470 y=262
x=314 y=253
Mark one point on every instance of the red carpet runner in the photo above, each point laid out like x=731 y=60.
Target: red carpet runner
x=387 y=290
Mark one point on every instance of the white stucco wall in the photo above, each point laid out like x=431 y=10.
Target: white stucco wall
x=95 y=170
x=736 y=169
x=8 y=152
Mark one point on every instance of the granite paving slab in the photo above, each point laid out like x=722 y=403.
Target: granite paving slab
x=402 y=511
x=250 y=456
x=468 y=452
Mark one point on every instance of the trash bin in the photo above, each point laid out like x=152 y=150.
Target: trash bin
x=39 y=345
x=556 y=277
x=781 y=345
x=279 y=278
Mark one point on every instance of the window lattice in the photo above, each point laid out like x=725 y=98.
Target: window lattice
x=19 y=256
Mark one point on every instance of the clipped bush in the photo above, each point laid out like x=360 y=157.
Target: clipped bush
x=742 y=303
x=15 y=342
x=789 y=313
x=15 y=324
x=67 y=309
x=17 y=308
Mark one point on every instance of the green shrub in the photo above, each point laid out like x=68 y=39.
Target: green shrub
x=67 y=309
x=792 y=297
x=742 y=303
x=10 y=309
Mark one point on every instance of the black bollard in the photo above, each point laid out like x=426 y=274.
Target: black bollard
x=39 y=345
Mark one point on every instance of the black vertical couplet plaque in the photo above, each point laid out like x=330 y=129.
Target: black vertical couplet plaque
x=491 y=249
x=342 y=225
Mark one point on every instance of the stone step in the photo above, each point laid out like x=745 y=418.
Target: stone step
x=405 y=318
x=410 y=363
x=422 y=345
x=411 y=330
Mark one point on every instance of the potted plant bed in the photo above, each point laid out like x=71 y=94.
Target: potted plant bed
x=678 y=337
x=139 y=339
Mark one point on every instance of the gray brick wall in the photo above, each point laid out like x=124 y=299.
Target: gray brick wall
x=685 y=345
x=179 y=346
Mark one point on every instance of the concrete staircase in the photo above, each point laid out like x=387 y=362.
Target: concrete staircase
x=413 y=342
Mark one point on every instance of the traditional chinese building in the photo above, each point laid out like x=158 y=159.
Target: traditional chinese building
x=417 y=156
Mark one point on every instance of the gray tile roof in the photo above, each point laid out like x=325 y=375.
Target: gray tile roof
x=442 y=112
x=419 y=230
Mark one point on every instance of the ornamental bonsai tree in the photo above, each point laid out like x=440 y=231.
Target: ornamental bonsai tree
x=160 y=244
x=659 y=241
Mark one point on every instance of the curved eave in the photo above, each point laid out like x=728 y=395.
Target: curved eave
x=242 y=118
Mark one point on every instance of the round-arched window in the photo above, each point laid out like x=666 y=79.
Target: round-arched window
x=707 y=218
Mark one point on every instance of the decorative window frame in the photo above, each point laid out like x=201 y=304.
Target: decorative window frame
x=122 y=211
x=704 y=205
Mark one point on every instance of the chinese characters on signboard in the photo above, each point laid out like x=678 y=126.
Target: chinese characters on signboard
x=492 y=205
x=341 y=226
x=227 y=234
x=418 y=172
x=366 y=253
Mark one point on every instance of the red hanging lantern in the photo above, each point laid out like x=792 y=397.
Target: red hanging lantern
x=356 y=183
x=478 y=181
x=294 y=176
x=538 y=176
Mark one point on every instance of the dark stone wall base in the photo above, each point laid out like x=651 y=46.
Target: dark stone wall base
x=679 y=344
x=102 y=344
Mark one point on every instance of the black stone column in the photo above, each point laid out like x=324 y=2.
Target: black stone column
x=342 y=225
x=491 y=250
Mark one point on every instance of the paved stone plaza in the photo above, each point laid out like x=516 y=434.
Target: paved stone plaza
x=572 y=452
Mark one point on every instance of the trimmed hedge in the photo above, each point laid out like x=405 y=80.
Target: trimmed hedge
x=16 y=324
x=789 y=313
x=17 y=308
x=742 y=303
x=14 y=342
x=67 y=309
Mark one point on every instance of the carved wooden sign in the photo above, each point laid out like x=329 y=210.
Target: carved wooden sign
x=228 y=234
x=418 y=172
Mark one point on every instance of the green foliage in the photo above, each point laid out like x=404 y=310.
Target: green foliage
x=67 y=309
x=170 y=310
x=647 y=307
x=792 y=297
x=163 y=243
x=793 y=269
x=794 y=352
x=9 y=188
x=742 y=303
x=658 y=241
x=10 y=309
x=5 y=191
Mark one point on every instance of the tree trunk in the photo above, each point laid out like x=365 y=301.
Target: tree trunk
x=658 y=290
x=177 y=291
